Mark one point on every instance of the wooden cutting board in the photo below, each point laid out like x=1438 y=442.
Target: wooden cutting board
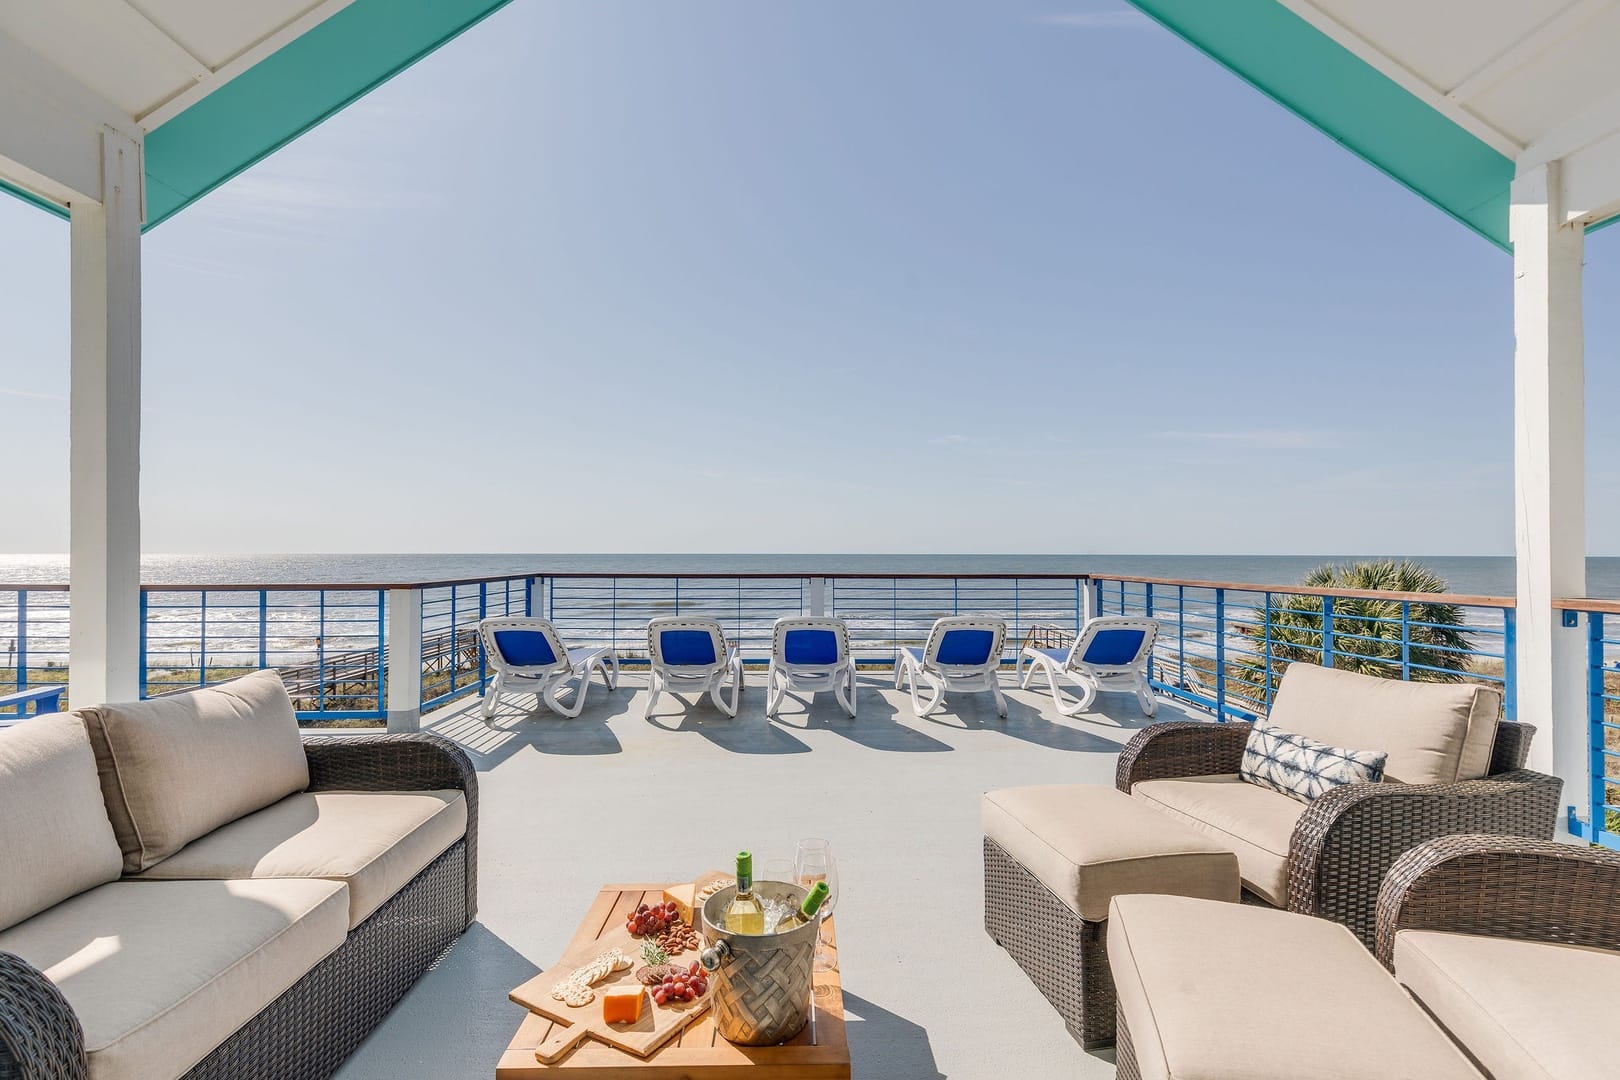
x=658 y=1023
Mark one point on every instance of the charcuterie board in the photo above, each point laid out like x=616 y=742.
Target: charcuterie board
x=656 y=1025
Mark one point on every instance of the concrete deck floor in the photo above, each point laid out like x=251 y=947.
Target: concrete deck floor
x=568 y=805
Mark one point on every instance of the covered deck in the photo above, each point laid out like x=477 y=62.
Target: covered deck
x=568 y=805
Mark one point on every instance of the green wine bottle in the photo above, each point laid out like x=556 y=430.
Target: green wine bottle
x=745 y=914
x=807 y=910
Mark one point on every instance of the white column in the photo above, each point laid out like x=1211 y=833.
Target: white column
x=404 y=659
x=818 y=596
x=1549 y=474
x=105 y=433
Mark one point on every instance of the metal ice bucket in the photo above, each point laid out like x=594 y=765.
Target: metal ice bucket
x=761 y=982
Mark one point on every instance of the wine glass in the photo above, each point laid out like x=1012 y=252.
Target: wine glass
x=815 y=863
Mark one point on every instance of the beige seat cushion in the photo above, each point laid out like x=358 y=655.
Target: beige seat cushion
x=178 y=767
x=1525 y=1010
x=1088 y=844
x=1434 y=733
x=1255 y=822
x=374 y=842
x=1233 y=992
x=54 y=833
x=160 y=973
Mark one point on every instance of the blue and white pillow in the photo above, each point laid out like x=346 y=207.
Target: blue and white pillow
x=1304 y=768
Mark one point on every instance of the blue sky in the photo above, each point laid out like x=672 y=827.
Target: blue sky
x=722 y=275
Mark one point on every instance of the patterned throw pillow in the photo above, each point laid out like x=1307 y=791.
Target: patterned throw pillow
x=1304 y=768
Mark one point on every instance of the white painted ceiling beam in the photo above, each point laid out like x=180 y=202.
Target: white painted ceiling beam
x=51 y=126
x=1591 y=182
x=1405 y=78
x=1528 y=48
x=252 y=54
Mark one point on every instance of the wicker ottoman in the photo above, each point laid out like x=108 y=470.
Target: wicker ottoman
x=1054 y=857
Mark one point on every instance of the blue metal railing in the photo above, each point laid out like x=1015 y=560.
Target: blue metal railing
x=328 y=643
x=34 y=634
x=1223 y=647
x=1602 y=824
x=453 y=661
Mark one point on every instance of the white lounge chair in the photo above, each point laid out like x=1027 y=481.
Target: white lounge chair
x=692 y=654
x=529 y=658
x=963 y=653
x=1109 y=650
x=809 y=654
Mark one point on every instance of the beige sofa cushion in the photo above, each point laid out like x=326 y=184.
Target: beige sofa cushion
x=1088 y=844
x=54 y=833
x=1254 y=822
x=1525 y=1010
x=160 y=973
x=1434 y=733
x=374 y=842
x=176 y=768
x=1233 y=992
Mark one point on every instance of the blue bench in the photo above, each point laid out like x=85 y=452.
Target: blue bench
x=46 y=699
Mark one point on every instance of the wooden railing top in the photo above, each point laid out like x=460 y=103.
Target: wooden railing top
x=649 y=575
x=1606 y=607
x=1462 y=599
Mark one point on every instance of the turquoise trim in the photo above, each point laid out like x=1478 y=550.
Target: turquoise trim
x=1329 y=87
x=37 y=200
x=292 y=90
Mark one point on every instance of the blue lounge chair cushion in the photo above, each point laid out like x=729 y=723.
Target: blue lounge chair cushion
x=965 y=647
x=1114 y=648
x=810 y=647
x=524 y=648
x=687 y=648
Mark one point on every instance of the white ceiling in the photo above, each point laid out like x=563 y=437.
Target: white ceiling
x=151 y=58
x=1510 y=71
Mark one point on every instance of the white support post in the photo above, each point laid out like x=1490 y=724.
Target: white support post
x=105 y=433
x=1549 y=474
x=404 y=676
x=818 y=596
x=1090 y=601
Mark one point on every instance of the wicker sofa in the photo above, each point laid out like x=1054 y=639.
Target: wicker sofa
x=194 y=890
x=1454 y=767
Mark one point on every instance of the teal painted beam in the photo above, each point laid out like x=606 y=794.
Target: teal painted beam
x=290 y=91
x=29 y=197
x=1338 y=93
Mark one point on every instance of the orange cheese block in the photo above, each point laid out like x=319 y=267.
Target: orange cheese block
x=682 y=896
x=622 y=1004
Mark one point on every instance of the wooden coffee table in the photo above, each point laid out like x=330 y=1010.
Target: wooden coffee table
x=819 y=1052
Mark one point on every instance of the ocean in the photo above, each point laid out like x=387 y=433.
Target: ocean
x=1474 y=575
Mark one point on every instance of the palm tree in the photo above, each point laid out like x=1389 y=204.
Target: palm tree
x=1367 y=631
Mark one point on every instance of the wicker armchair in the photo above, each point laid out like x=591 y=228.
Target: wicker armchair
x=1350 y=837
x=1496 y=886
x=311 y=1028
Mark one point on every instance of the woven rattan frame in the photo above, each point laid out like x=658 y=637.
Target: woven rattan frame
x=1349 y=838
x=417 y=762
x=308 y=1031
x=1065 y=956
x=40 y=1038
x=1534 y=890
x=311 y=1028
x=1125 y=1066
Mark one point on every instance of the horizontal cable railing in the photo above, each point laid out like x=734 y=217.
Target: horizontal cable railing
x=34 y=633
x=1223 y=646
x=1602 y=824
